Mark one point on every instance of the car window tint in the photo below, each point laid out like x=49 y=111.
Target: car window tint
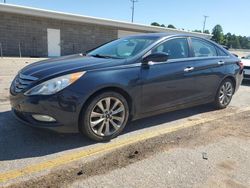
x=203 y=49
x=221 y=52
x=131 y=47
x=124 y=47
x=175 y=48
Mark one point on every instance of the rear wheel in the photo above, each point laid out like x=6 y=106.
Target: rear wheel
x=105 y=116
x=224 y=94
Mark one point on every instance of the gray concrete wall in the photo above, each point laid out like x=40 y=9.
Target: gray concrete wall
x=28 y=34
x=31 y=34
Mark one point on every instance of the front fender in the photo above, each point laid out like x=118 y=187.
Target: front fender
x=126 y=79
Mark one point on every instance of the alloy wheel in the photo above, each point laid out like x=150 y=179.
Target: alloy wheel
x=107 y=116
x=226 y=93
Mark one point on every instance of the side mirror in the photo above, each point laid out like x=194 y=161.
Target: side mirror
x=156 y=57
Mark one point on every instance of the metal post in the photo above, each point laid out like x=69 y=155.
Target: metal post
x=4 y=1
x=133 y=9
x=20 y=52
x=1 y=50
x=204 y=24
x=73 y=48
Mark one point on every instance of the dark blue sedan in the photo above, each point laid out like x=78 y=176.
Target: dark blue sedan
x=123 y=80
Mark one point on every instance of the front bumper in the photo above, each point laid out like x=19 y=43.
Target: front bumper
x=63 y=107
x=26 y=119
x=247 y=73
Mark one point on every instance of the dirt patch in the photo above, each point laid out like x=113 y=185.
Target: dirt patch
x=5 y=99
x=227 y=183
x=227 y=165
x=233 y=184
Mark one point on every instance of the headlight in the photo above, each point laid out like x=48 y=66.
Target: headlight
x=54 y=85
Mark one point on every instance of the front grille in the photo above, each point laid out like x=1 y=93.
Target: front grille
x=246 y=67
x=22 y=81
x=246 y=76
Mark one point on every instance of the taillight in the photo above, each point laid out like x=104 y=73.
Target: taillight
x=240 y=65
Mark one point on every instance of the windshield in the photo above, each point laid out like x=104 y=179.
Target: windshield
x=123 y=48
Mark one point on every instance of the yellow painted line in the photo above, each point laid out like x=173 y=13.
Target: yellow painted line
x=67 y=158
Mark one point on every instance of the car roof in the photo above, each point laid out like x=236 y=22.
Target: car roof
x=161 y=35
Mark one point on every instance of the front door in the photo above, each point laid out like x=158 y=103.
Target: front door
x=170 y=83
x=54 y=48
x=167 y=85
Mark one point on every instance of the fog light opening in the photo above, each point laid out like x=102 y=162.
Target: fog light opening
x=43 y=118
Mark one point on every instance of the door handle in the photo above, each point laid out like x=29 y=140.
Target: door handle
x=188 y=69
x=221 y=63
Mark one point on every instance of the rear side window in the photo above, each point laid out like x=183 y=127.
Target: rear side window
x=175 y=48
x=203 y=49
x=221 y=52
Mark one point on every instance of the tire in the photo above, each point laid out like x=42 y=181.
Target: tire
x=104 y=116
x=224 y=94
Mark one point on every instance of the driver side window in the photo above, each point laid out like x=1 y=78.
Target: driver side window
x=176 y=48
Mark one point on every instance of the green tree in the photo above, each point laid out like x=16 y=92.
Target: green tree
x=207 y=31
x=228 y=40
x=171 y=26
x=244 y=43
x=218 y=35
x=197 y=31
x=155 y=24
x=235 y=42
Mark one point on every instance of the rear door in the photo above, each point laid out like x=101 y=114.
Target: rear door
x=209 y=67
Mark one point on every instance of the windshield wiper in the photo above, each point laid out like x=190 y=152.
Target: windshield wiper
x=105 y=56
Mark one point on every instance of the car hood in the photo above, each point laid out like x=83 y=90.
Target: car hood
x=66 y=64
x=246 y=62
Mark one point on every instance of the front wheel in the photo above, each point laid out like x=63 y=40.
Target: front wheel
x=224 y=94
x=105 y=116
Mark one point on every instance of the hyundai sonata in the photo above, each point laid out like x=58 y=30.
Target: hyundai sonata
x=126 y=79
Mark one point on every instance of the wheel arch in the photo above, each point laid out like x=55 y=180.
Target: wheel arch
x=232 y=78
x=119 y=90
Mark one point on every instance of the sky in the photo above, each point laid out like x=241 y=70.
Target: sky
x=233 y=16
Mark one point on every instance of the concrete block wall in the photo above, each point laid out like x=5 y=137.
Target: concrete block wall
x=30 y=33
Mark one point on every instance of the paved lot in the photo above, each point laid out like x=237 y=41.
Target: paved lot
x=22 y=146
x=241 y=53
